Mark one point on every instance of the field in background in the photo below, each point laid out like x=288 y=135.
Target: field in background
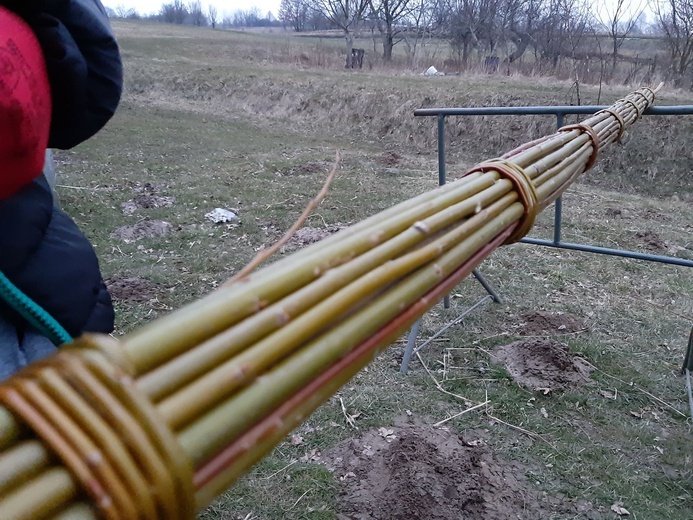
x=245 y=122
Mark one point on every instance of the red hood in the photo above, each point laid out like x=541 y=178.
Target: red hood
x=25 y=104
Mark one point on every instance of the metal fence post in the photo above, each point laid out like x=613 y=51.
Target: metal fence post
x=441 y=149
x=441 y=174
x=558 y=205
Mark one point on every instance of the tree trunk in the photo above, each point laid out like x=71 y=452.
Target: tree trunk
x=349 y=47
x=521 y=43
x=466 y=48
x=388 y=44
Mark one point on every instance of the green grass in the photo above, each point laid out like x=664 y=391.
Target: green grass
x=205 y=124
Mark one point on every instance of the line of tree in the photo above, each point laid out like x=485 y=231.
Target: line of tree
x=195 y=13
x=549 y=30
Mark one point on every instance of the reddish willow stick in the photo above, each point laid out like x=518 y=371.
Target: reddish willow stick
x=174 y=413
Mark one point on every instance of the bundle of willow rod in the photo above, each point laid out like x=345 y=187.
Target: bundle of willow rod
x=158 y=424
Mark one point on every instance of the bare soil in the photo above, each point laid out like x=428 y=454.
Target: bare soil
x=147 y=201
x=389 y=158
x=543 y=323
x=144 y=229
x=131 y=289
x=651 y=240
x=305 y=169
x=402 y=473
x=541 y=364
x=148 y=188
x=309 y=235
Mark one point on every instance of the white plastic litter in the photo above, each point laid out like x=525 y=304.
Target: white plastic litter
x=220 y=216
x=432 y=71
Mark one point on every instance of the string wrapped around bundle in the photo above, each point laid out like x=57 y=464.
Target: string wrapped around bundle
x=161 y=422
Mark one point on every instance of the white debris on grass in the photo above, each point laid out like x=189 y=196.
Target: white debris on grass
x=220 y=216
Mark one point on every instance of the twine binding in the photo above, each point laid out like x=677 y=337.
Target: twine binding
x=524 y=188
x=638 y=112
x=585 y=129
x=619 y=120
x=105 y=432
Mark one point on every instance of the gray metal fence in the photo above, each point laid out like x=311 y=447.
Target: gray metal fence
x=560 y=112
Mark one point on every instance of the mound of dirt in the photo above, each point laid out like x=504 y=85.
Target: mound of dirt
x=542 y=365
x=308 y=235
x=146 y=201
x=143 y=229
x=305 y=169
x=653 y=214
x=131 y=289
x=543 y=323
x=651 y=240
x=419 y=472
x=389 y=158
x=148 y=188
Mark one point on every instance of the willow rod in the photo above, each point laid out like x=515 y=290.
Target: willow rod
x=205 y=392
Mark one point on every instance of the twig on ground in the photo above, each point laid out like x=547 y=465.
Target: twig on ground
x=282 y=203
x=519 y=429
x=280 y=470
x=501 y=334
x=266 y=253
x=350 y=419
x=297 y=501
x=659 y=305
x=554 y=334
x=324 y=222
x=404 y=341
x=468 y=402
x=633 y=385
x=461 y=413
x=81 y=188
x=446 y=355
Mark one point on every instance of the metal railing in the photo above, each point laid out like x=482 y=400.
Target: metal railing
x=560 y=112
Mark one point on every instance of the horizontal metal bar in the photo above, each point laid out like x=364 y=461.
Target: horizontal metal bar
x=545 y=110
x=608 y=251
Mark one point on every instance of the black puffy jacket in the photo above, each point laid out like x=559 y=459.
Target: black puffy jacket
x=44 y=254
x=41 y=249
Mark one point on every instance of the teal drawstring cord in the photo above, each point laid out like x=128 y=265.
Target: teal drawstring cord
x=32 y=312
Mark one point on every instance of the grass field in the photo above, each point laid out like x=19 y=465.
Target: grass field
x=240 y=121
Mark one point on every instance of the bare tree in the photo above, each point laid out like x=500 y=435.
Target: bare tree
x=212 y=15
x=675 y=20
x=120 y=11
x=425 y=17
x=619 y=19
x=471 y=22
x=294 y=13
x=197 y=15
x=347 y=15
x=522 y=22
x=174 y=12
x=561 y=29
x=388 y=15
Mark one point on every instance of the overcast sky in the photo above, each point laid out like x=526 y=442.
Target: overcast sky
x=229 y=6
